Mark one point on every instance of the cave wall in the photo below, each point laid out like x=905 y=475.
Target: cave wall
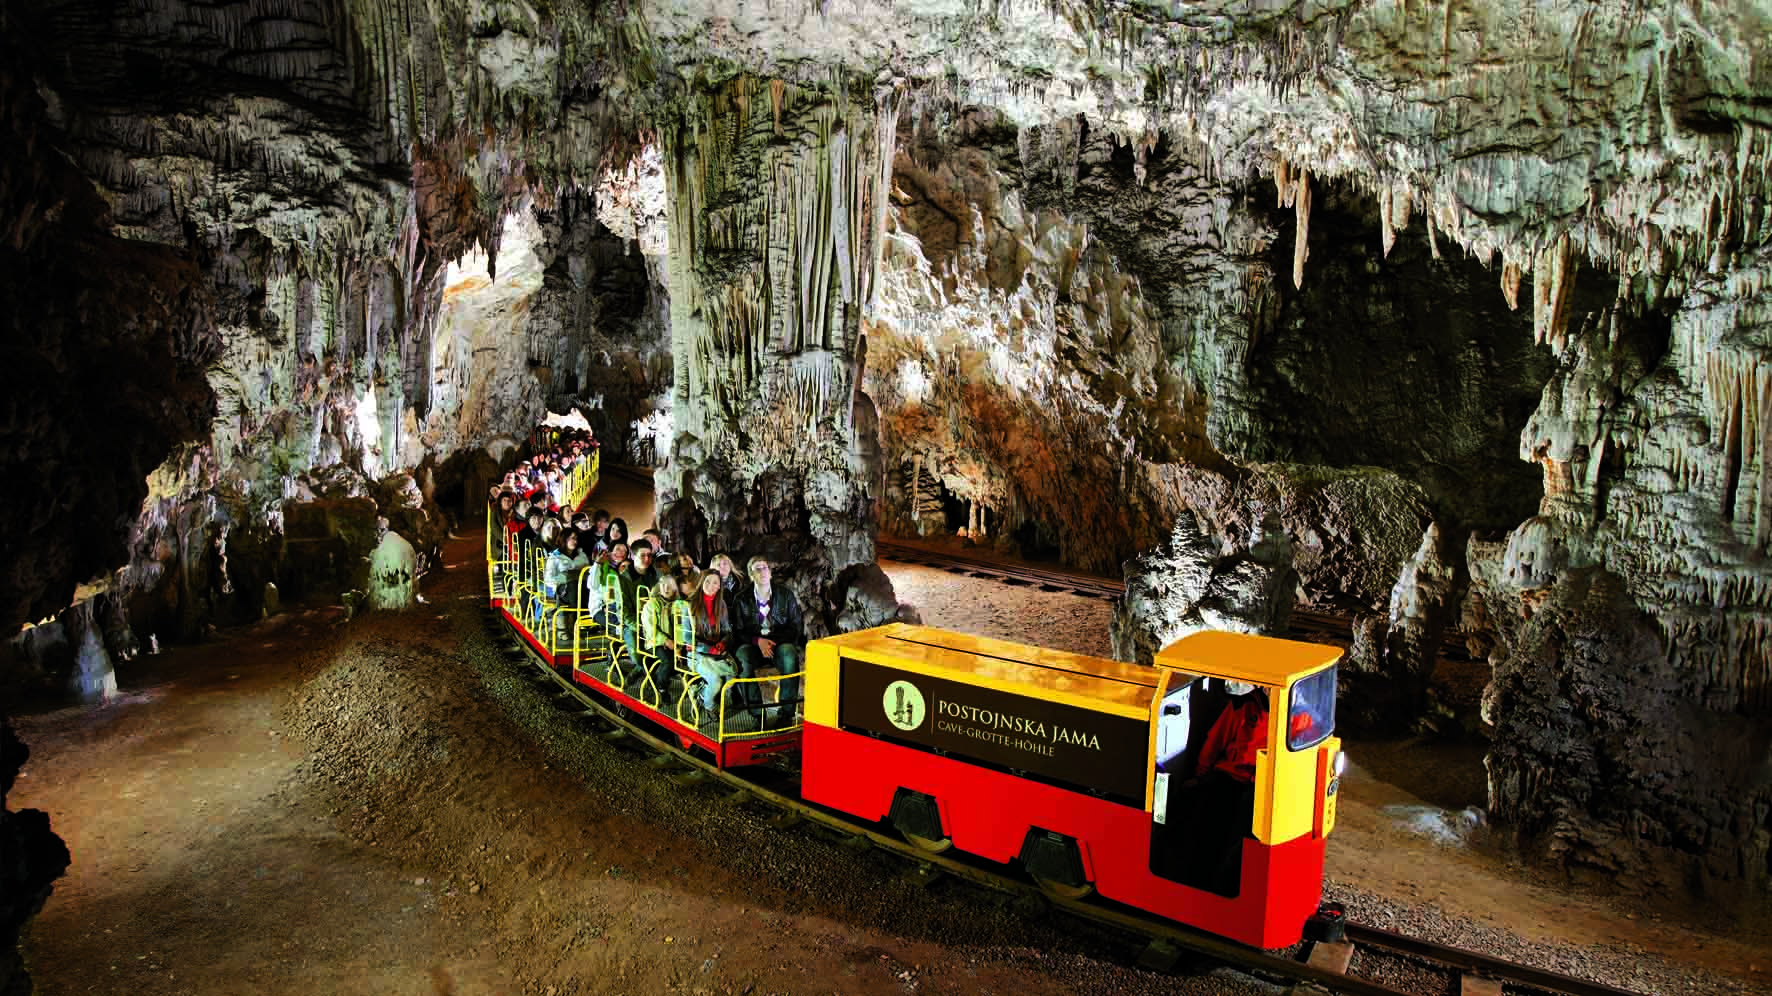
x=103 y=377
x=248 y=214
x=1555 y=375
x=1117 y=362
x=1631 y=698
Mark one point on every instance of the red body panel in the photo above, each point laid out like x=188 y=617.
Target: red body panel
x=730 y=754
x=988 y=813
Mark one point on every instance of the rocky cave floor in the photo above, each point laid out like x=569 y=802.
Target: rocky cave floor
x=384 y=806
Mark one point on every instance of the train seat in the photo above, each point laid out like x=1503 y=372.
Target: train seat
x=1205 y=702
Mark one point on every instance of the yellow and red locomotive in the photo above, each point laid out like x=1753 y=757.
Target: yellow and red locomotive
x=1065 y=763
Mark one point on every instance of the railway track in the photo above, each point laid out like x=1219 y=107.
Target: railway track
x=1331 y=966
x=1020 y=575
x=1320 y=627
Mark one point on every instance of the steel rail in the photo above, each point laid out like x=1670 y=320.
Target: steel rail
x=1085 y=584
x=1473 y=962
x=1152 y=929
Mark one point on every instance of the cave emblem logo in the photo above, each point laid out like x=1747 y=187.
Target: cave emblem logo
x=904 y=705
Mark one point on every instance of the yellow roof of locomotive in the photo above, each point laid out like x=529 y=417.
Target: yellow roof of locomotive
x=1263 y=660
x=1090 y=682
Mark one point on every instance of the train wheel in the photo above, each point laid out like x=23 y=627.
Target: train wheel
x=1063 y=891
x=931 y=844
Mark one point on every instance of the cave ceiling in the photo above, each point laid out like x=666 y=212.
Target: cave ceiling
x=1634 y=130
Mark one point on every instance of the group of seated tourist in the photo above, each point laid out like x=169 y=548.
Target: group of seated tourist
x=542 y=479
x=593 y=569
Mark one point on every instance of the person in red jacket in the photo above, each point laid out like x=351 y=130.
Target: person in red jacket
x=1214 y=810
x=1241 y=730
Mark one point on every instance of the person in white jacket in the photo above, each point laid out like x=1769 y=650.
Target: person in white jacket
x=564 y=562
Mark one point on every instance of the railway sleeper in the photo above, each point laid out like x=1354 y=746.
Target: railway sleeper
x=1474 y=985
x=924 y=876
x=785 y=819
x=1331 y=956
x=1158 y=956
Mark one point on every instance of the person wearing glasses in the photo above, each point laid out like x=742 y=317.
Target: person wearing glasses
x=770 y=631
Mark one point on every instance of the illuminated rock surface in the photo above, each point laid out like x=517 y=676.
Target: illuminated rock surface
x=1449 y=318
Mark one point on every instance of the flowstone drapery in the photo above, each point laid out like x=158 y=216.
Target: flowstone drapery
x=775 y=199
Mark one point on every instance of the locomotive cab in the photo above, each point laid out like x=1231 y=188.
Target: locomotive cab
x=1276 y=701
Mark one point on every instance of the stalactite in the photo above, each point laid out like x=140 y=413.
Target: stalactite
x=916 y=492
x=1552 y=278
x=1301 y=247
x=886 y=134
x=1386 y=227
x=1737 y=389
x=1294 y=190
x=1510 y=283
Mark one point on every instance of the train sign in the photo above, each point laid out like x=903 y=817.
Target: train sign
x=1051 y=741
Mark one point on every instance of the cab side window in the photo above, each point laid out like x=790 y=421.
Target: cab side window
x=1311 y=716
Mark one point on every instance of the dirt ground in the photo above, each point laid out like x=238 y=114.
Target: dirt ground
x=386 y=807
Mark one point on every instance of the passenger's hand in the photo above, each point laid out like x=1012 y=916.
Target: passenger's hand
x=767 y=646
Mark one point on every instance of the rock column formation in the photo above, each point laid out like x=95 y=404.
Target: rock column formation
x=776 y=193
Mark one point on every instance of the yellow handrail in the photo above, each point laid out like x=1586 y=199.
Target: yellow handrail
x=761 y=710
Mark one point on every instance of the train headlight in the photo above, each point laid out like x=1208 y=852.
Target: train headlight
x=1340 y=766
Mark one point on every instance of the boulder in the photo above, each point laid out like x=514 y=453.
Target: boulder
x=1199 y=581
x=868 y=599
x=393 y=574
x=34 y=858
